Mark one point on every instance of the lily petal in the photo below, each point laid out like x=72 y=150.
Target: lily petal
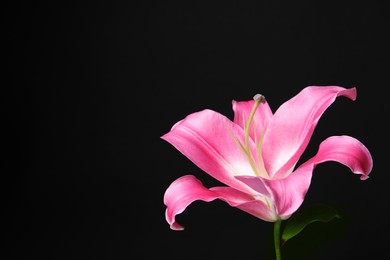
x=256 y=183
x=206 y=138
x=348 y=151
x=187 y=189
x=288 y=194
x=292 y=125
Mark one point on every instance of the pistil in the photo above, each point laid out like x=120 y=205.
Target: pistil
x=258 y=100
x=258 y=170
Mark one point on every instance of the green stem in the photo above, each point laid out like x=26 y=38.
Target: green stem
x=277 y=239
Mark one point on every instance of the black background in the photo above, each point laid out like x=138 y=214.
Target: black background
x=89 y=88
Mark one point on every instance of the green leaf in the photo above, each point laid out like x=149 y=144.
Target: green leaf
x=300 y=219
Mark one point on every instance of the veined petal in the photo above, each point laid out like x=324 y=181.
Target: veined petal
x=348 y=151
x=242 y=110
x=289 y=193
x=286 y=195
x=187 y=189
x=207 y=138
x=259 y=209
x=255 y=183
x=292 y=125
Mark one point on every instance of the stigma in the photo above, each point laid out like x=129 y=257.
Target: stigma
x=259 y=98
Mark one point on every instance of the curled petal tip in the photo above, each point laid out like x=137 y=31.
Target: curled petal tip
x=176 y=227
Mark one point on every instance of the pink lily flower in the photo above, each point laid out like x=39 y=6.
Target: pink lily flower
x=255 y=155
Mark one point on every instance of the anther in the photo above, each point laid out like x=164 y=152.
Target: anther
x=259 y=98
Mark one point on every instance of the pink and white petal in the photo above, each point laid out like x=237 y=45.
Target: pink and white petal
x=187 y=189
x=207 y=139
x=259 y=209
x=242 y=110
x=289 y=193
x=245 y=202
x=292 y=125
x=348 y=151
x=180 y=194
x=286 y=194
x=255 y=183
